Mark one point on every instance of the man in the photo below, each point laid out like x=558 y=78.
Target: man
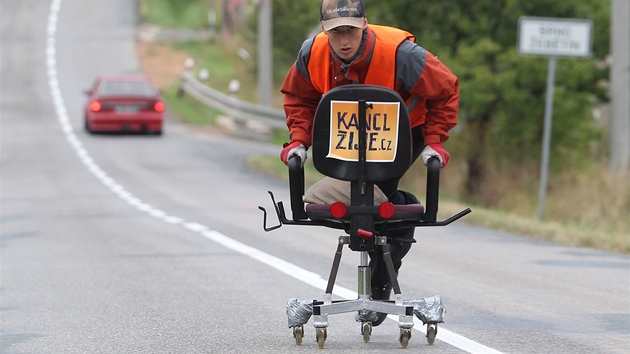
x=350 y=51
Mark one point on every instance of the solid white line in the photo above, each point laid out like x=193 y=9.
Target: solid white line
x=283 y=266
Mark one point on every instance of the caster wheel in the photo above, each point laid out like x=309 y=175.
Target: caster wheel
x=405 y=335
x=366 y=331
x=298 y=334
x=431 y=333
x=320 y=335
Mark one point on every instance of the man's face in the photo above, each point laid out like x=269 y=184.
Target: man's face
x=345 y=41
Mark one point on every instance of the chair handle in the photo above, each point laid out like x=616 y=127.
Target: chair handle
x=433 y=189
x=296 y=187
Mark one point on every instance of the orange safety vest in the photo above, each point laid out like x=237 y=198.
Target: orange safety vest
x=382 y=70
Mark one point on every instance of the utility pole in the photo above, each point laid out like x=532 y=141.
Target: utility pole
x=619 y=121
x=265 y=50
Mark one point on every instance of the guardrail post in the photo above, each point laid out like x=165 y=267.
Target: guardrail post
x=204 y=75
x=189 y=66
x=233 y=88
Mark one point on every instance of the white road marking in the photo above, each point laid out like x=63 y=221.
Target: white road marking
x=283 y=266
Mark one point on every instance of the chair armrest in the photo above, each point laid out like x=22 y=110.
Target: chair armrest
x=433 y=190
x=296 y=187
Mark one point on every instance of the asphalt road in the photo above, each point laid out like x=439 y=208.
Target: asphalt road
x=145 y=244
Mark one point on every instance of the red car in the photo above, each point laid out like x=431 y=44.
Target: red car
x=124 y=103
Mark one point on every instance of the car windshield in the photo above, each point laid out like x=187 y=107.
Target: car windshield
x=126 y=88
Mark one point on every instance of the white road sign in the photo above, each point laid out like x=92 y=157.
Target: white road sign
x=550 y=36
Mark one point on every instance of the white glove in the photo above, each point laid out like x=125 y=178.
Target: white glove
x=428 y=153
x=300 y=151
x=294 y=148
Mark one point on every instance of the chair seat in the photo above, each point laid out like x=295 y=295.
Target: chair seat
x=402 y=212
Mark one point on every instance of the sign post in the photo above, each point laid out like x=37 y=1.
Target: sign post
x=552 y=37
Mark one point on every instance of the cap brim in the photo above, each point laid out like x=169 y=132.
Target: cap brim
x=343 y=21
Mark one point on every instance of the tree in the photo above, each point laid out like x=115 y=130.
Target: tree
x=292 y=22
x=502 y=93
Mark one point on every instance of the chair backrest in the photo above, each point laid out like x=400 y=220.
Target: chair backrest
x=335 y=146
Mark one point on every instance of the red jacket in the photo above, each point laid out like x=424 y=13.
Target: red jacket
x=388 y=57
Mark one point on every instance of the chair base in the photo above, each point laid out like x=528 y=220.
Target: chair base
x=321 y=310
x=429 y=310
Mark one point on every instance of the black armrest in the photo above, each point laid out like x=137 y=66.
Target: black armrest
x=433 y=190
x=296 y=187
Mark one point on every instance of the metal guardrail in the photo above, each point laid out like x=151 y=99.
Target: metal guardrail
x=240 y=111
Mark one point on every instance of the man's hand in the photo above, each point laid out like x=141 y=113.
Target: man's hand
x=294 y=148
x=436 y=150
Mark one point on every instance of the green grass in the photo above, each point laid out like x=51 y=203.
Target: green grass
x=189 y=110
x=223 y=66
x=176 y=13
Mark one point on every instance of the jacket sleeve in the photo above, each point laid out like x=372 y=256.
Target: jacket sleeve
x=300 y=97
x=300 y=103
x=439 y=87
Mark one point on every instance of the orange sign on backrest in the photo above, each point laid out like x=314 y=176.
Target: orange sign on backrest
x=382 y=131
